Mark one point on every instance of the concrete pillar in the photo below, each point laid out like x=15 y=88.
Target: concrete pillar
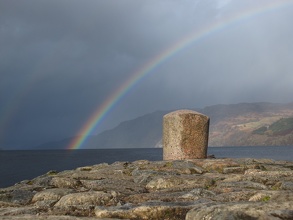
x=185 y=135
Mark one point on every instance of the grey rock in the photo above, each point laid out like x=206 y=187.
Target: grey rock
x=149 y=211
x=286 y=185
x=143 y=176
x=49 y=217
x=85 y=199
x=242 y=185
x=61 y=182
x=44 y=181
x=51 y=194
x=192 y=189
x=272 y=195
x=268 y=177
x=282 y=214
x=234 y=170
x=187 y=167
x=21 y=196
x=198 y=193
x=47 y=198
x=15 y=211
x=240 y=211
x=234 y=196
x=180 y=182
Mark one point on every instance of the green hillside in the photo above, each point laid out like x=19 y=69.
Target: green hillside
x=283 y=126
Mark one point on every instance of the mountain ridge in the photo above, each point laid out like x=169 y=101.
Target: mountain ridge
x=230 y=125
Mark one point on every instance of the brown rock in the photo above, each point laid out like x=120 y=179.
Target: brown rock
x=212 y=188
x=185 y=135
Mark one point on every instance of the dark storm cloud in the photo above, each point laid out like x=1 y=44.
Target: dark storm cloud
x=60 y=60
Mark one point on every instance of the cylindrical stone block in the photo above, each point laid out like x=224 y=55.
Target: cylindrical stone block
x=185 y=135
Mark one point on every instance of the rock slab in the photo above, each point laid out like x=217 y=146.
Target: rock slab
x=242 y=188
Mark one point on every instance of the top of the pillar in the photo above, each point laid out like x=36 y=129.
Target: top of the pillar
x=184 y=112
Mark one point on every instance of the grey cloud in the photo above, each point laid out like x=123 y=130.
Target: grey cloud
x=60 y=61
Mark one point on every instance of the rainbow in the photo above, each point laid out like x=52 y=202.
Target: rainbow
x=163 y=57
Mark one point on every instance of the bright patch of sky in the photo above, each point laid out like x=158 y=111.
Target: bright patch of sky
x=222 y=3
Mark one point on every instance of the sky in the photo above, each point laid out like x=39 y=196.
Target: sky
x=61 y=60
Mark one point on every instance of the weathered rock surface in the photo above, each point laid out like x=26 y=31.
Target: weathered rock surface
x=185 y=135
x=187 y=189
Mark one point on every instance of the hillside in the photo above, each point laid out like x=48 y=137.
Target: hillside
x=244 y=124
x=142 y=132
x=253 y=124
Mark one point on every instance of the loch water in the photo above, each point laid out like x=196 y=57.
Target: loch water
x=19 y=165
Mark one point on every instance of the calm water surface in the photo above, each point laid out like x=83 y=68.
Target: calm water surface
x=16 y=166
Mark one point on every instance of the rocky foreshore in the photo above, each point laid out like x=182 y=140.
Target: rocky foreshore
x=188 y=189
